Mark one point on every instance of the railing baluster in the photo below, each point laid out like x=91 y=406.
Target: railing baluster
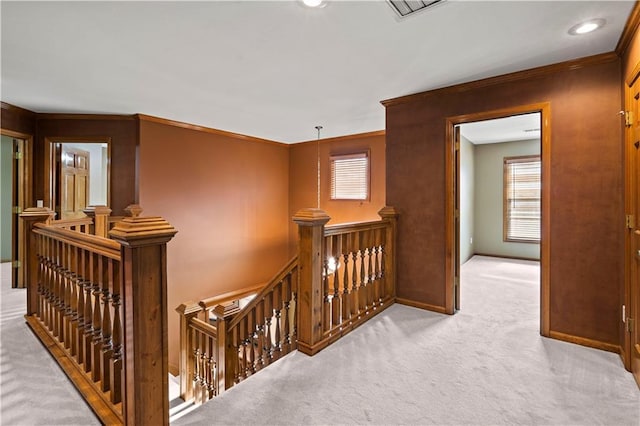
x=115 y=366
x=268 y=339
x=107 y=344
x=336 y=243
x=96 y=339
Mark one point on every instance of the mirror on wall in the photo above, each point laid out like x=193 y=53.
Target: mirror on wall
x=78 y=175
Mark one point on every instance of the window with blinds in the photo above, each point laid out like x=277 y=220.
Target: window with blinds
x=350 y=176
x=522 y=199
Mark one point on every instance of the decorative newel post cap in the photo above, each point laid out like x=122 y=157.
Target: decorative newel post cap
x=311 y=216
x=388 y=212
x=133 y=210
x=138 y=231
x=92 y=211
x=38 y=212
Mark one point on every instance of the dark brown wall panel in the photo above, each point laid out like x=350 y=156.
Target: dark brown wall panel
x=123 y=132
x=17 y=119
x=586 y=189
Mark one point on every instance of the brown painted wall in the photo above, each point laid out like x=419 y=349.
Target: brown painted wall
x=586 y=190
x=123 y=132
x=17 y=119
x=303 y=172
x=228 y=199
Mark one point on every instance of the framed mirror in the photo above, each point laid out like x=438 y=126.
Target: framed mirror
x=77 y=174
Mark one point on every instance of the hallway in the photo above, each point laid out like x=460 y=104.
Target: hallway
x=485 y=365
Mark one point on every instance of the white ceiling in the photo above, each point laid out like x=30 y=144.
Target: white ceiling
x=275 y=70
x=509 y=129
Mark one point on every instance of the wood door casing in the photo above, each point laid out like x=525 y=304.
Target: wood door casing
x=74 y=182
x=632 y=256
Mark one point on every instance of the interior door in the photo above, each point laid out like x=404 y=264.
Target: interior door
x=632 y=153
x=74 y=182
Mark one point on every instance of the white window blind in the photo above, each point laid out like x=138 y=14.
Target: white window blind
x=350 y=176
x=522 y=199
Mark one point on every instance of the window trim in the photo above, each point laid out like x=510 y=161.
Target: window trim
x=349 y=155
x=505 y=212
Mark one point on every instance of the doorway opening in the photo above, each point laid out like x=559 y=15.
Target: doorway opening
x=498 y=195
x=15 y=164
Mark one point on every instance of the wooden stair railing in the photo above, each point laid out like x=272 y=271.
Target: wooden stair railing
x=229 y=343
x=99 y=307
x=347 y=275
x=343 y=275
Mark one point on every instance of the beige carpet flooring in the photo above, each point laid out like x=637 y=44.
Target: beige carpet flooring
x=486 y=365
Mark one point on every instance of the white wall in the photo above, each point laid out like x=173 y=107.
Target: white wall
x=467 y=190
x=488 y=217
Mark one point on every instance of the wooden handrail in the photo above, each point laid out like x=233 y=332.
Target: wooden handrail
x=212 y=302
x=203 y=327
x=343 y=228
x=66 y=223
x=275 y=281
x=98 y=245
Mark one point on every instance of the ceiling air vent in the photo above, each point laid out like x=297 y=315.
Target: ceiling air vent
x=405 y=8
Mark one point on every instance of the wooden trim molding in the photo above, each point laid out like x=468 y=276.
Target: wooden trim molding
x=420 y=305
x=545 y=226
x=539 y=72
x=629 y=30
x=346 y=138
x=583 y=341
x=183 y=125
x=17 y=109
x=65 y=116
x=502 y=256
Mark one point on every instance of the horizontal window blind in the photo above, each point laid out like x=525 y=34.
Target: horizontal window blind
x=522 y=198
x=350 y=176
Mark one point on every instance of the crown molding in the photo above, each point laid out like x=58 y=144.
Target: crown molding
x=344 y=138
x=629 y=30
x=538 y=72
x=183 y=125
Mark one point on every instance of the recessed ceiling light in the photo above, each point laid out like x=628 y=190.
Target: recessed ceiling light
x=587 y=27
x=314 y=3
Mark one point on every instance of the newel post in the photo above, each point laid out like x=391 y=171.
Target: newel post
x=100 y=216
x=29 y=265
x=143 y=269
x=227 y=355
x=311 y=234
x=391 y=215
x=187 y=312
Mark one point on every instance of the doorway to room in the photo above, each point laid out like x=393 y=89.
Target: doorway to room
x=498 y=199
x=499 y=219
x=15 y=149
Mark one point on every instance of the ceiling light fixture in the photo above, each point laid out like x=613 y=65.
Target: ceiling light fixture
x=587 y=26
x=314 y=3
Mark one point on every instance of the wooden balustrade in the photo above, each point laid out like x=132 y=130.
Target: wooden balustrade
x=353 y=273
x=228 y=344
x=343 y=275
x=85 y=293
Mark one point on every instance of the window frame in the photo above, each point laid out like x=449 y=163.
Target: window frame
x=344 y=156
x=505 y=197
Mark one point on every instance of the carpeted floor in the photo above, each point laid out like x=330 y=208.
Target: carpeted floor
x=486 y=365
x=33 y=389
